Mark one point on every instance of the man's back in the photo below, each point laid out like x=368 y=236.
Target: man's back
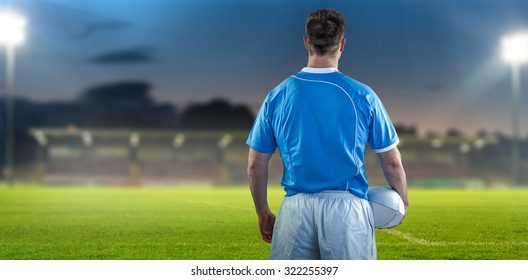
x=321 y=121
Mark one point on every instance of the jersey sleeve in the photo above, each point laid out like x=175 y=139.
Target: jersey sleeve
x=261 y=137
x=382 y=134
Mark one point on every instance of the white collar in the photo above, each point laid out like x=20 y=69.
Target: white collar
x=319 y=70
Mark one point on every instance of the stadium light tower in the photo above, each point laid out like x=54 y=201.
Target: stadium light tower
x=515 y=52
x=12 y=34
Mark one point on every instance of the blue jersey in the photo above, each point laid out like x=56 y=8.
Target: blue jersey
x=321 y=120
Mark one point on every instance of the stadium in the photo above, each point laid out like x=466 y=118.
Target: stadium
x=133 y=149
x=118 y=194
x=166 y=157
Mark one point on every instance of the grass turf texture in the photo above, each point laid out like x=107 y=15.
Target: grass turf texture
x=220 y=223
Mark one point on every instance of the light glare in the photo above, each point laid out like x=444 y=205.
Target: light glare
x=515 y=48
x=12 y=28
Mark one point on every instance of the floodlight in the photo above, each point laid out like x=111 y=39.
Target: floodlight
x=437 y=143
x=515 y=52
x=12 y=33
x=41 y=138
x=87 y=139
x=479 y=143
x=464 y=148
x=179 y=140
x=515 y=48
x=225 y=141
x=12 y=28
x=134 y=139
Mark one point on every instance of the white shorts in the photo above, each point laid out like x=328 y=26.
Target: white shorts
x=330 y=225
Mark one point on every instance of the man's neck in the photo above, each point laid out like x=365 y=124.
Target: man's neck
x=325 y=61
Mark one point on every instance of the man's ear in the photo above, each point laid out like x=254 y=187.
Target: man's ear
x=342 y=46
x=305 y=44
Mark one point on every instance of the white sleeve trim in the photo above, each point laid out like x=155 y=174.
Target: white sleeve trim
x=382 y=150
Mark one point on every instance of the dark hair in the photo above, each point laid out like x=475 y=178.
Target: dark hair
x=324 y=30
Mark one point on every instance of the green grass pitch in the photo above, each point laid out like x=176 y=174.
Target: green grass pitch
x=220 y=223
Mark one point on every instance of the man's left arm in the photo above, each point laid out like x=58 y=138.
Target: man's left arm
x=258 y=184
x=393 y=171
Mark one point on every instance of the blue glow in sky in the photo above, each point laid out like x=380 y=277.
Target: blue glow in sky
x=435 y=64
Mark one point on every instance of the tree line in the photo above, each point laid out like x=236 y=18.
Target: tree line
x=127 y=104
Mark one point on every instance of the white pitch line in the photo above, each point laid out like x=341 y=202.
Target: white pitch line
x=221 y=205
x=408 y=237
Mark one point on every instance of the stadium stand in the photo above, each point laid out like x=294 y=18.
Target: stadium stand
x=166 y=157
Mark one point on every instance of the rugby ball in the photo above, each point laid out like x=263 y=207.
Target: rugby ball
x=387 y=206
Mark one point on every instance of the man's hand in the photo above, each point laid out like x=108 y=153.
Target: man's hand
x=401 y=222
x=266 y=223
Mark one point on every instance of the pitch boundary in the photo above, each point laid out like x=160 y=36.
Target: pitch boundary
x=219 y=205
x=408 y=237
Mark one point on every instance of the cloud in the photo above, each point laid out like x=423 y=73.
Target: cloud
x=104 y=26
x=434 y=87
x=134 y=55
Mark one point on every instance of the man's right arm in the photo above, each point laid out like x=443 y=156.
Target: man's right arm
x=258 y=184
x=394 y=173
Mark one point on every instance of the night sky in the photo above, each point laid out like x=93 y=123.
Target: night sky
x=434 y=63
